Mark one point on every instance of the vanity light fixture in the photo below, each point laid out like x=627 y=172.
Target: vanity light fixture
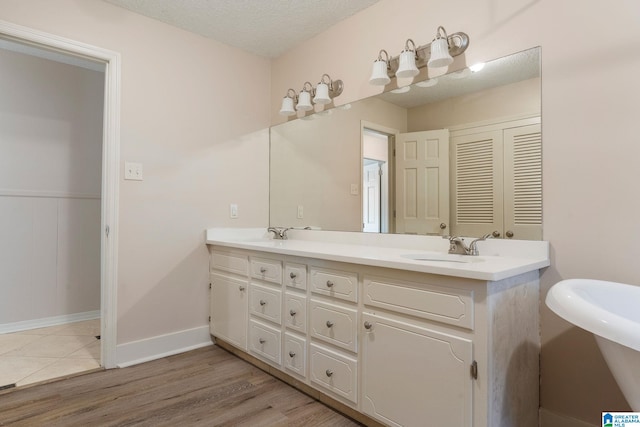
x=380 y=71
x=322 y=94
x=437 y=54
x=287 y=103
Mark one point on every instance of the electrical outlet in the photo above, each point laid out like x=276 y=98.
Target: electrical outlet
x=233 y=211
x=133 y=171
x=354 y=189
x=300 y=211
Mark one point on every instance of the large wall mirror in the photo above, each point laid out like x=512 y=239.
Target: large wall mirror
x=460 y=154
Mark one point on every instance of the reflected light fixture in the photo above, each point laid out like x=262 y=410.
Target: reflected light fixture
x=477 y=67
x=322 y=94
x=437 y=54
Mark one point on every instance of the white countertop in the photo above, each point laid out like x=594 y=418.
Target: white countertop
x=499 y=259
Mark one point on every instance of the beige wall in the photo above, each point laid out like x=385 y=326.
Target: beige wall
x=324 y=155
x=516 y=99
x=194 y=112
x=590 y=64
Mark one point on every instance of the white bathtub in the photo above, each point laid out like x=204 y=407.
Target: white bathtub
x=611 y=311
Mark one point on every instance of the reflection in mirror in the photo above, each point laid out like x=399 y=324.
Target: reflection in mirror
x=460 y=155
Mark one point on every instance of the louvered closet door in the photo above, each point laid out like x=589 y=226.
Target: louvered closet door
x=477 y=194
x=523 y=182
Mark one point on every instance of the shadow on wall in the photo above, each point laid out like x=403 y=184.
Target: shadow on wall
x=584 y=386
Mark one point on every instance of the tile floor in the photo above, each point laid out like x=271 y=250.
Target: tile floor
x=37 y=355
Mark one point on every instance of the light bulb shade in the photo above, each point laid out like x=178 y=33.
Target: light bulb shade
x=407 y=67
x=379 y=75
x=287 y=107
x=304 y=101
x=322 y=94
x=440 y=56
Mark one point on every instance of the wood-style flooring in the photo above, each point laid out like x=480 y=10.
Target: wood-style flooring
x=205 y=387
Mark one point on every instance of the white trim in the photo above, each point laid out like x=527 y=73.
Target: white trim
x=527 y=119
x=552 y=419
x=110 y=166
x=25 y=325
x=47 y=194
x=145 y=350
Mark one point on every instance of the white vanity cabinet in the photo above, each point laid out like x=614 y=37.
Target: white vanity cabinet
x=394 y=347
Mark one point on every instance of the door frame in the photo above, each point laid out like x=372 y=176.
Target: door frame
x=110 y=168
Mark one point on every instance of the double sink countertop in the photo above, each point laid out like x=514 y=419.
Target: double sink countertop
x=499 y=259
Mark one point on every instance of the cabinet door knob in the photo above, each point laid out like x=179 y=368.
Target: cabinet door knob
x=329 y=323
x=368 y=325
x=292 y=353
x=263 y=269
x=328 y=372
x=263 y=302
x=496 y=234
x=292 y=312
x=262 y=340
x=443 y=225
x=293 y=275
x=329 y=283
x=509 y=233
x=241 y=288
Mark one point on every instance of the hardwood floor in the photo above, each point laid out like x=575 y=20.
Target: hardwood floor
x=205 y=387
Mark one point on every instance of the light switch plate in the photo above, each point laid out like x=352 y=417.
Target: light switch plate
x=233 y=211
x=300 y=211
x=133 y=171
x=354 y=189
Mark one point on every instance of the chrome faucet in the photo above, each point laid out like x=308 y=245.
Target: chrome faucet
x=457 y=245
x=279 y=233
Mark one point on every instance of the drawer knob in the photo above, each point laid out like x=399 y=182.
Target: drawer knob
x=292 y=312
x=263 y=302
x=328 y=372
x=329 y=323
x=241 y=288
x=368 y=325
x=262 y=340
x=263 y=269
x=329 y=283
x=292 y=353
x=293 y=275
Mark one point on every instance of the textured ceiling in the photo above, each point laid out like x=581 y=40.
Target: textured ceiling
x=264 y=27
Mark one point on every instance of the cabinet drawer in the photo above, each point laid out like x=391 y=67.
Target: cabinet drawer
x=295 y=354
x=338 y=284
x=295 y=276
x=295 y=312
x=264 y=341
x=230 y=262
x=265 y=302
x=334 y=372
x=446 y=305
x=334 y=324
x=266 y=269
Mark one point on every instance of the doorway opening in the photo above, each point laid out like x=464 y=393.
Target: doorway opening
x=105 y=227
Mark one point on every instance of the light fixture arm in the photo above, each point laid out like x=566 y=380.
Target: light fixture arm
x=335 y=86
x=294 y=96
x=457 y=42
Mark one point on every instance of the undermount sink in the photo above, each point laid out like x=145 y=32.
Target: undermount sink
x=436 y=257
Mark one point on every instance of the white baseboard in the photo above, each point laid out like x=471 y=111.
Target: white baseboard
x=135 y=352
x=45 y=322
x=551 y=419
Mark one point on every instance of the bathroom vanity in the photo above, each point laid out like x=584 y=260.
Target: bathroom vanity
x=386 y=327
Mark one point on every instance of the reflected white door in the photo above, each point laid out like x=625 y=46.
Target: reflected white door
x=422 y=182
x=371 y=198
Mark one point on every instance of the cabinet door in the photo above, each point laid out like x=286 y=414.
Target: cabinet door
x=414 y=376
x=229 y=310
